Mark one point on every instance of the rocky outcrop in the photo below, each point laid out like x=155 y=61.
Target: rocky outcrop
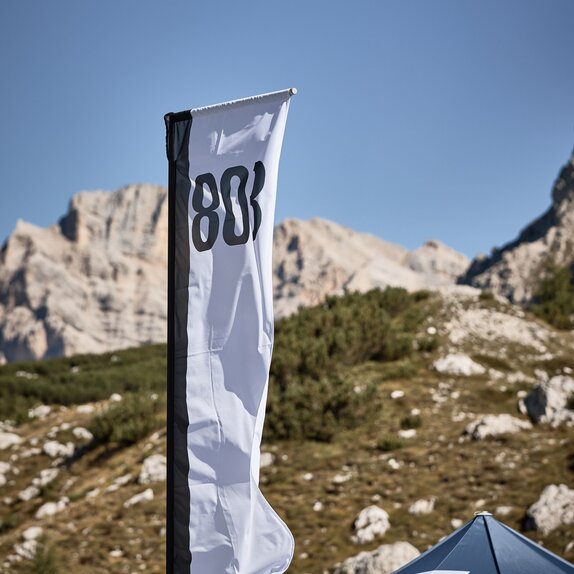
x=513 y=271
x=384 y=560
x=316 y=258
x=458 y=364
x=496 y=425
x=548 y=401
x=554 y=508
x=96 y=281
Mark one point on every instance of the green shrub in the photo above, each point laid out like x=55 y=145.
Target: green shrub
x=81 y=379
x=316 y=409
x=486 y=296
x=46 y=561
x=128 y=421
x=403 y=369
x=554 y=299
x=428 y=344
x=411 y=422
x=389 y=443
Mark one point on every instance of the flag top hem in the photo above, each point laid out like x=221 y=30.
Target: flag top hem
x=244 y=101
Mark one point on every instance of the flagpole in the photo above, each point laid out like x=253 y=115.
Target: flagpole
x=170 y=348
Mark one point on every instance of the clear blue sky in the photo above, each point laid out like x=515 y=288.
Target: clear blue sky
x=415 y=119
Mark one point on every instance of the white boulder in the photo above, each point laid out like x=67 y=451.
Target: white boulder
x=144 y=496
x=495 y=425
x=82 y=433
x=154 y=469
x=39 y=412
x=8 y=439
x=55 y=449
x=26 y=549
x=46 y=476
x=554 y=508
x=51 y=508
x=422 y=506
x=29 y=493
x=384 y=560
x=32 y=533
x=458 y=364
x=267 y=459
x=547 y=402
x=372 y=522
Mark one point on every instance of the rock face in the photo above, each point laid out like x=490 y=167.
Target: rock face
x=458 y=364
x=547 y=402
x=514 y=270
x=384 y=560
x=96 y=281
x=316 y=258
x=554 y=508
x=496 y=425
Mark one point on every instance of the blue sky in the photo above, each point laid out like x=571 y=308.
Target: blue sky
x=415 y=119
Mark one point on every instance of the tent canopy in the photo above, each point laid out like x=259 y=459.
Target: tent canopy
x=486 y=546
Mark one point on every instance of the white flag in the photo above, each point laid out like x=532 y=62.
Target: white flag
x=223 y=175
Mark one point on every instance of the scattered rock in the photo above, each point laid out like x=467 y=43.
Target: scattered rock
x=39 y=412
x=29 y=493
x=115 y=397
x=384 y=560
x=496 y=425
x=398 y=394
x=116 y=553
x=8 y=439
x=32 y=533
x=120 y=481
x=503 y=510
x=267 y=459
x=318 y=506
x=51 y=508
x=456 y=523
x=145 y=496
x=26 y=549
x=422 y=506
x=82 y=433
x=372 y=522
x=547 y=401
x=458 y=364
x=342 y=477
x=85 y=409
x=5 y=468
x=154 y=469
x=408 y=433
x=554 y=508
x=55 y=449
x=46 y=476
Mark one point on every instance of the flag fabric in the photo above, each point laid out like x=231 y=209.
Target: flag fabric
x=223 y=163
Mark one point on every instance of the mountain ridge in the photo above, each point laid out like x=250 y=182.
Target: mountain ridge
x=95 y=281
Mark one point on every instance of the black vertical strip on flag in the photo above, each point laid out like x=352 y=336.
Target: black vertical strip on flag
x=178 y=554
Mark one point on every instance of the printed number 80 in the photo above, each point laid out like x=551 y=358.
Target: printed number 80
x=209 y=211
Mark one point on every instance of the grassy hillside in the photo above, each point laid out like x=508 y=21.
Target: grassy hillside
x=332 y=427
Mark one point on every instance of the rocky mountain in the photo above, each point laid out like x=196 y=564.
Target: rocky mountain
x=93 y=282
x=514 y=269
x=96 y=280
x=316 y=258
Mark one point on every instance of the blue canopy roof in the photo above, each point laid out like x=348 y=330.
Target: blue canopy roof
x=486 y=546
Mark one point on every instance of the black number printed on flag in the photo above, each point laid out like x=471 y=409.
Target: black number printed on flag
x=209 y=212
